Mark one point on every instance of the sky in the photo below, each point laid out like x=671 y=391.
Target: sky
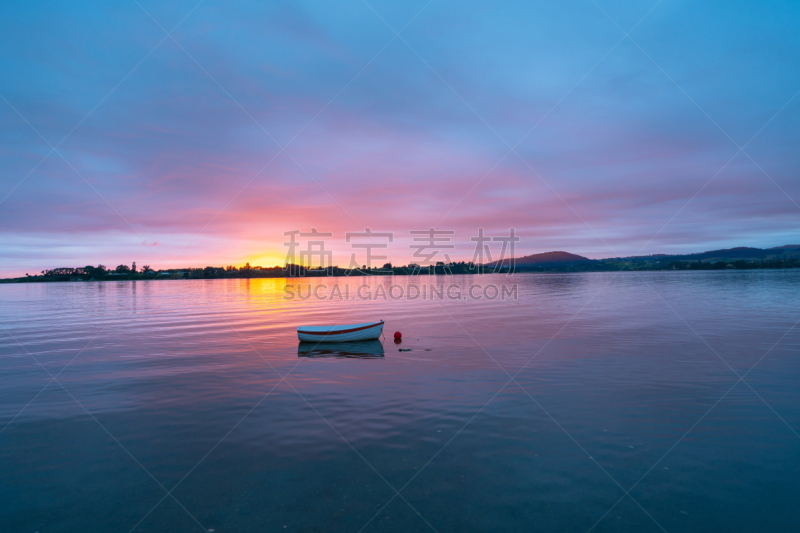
x=180 y=134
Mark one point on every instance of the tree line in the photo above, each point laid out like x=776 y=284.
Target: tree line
x=122 y=272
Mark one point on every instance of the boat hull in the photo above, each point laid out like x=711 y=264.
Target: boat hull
x=350 y=333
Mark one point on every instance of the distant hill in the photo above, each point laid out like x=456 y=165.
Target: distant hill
x=558 y=259
x=729 y=254
x=547 y=258
x=740 y=252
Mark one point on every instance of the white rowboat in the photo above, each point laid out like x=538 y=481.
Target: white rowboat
x=347 y=333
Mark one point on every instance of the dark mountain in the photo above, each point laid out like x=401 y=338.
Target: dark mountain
x=558 y=259
x=740 y=252
x=729 y=254
x=548 y=258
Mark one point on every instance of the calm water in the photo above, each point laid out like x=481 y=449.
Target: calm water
x=199 y=388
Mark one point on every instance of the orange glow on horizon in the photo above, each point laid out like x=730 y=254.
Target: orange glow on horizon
x=268 y=259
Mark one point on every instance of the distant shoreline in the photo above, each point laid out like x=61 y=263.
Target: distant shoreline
x=294 y=271
x=741 y=258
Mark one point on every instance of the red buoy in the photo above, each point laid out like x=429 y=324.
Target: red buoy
x=398 y=335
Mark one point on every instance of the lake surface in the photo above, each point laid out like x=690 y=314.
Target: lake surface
x=189 y=406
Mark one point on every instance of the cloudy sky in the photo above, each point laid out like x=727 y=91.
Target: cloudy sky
x=197 y=134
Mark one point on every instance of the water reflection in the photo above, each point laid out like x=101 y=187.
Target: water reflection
x=618 y=379
x=357 y=350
